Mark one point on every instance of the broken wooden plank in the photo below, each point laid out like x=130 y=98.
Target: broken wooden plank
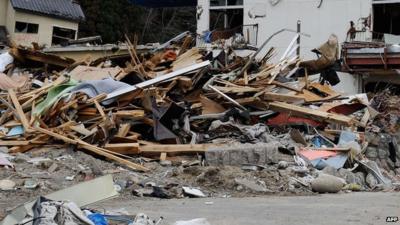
x=14 y=143
x=100 y=109
x=286 y=86
x=130 y=139
x=130 y=114
x=311 y=113
x=123 y=148
x=209 y=106
x=227 y=97
x=123 y=130
x=37 y=56
x=238 y=89
x=81 y=130
x=97 y=150
x=163 y=156
x=183 y=148
x=19 y=110
x=269 y=96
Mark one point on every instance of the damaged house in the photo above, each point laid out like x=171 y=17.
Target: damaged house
x=375 y=23
x=42 y=21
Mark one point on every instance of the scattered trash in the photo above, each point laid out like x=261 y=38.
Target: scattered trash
x=7 y=185
x=31 y=184
x=325 y=183
x=193 y=192
x=200 y=221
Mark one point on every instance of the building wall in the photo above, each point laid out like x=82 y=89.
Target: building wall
x=333 y=16
x=3 y=12
x=44 y=36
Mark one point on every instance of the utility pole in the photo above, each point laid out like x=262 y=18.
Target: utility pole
x=298 y=39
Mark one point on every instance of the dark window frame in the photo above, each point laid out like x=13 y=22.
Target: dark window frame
x=29 y=28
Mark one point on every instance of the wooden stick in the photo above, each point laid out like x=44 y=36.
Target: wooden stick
x=94 y=149
x=100 y=109
x=19 y=110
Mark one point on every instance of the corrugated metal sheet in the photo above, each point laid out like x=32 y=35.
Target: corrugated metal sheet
x=65 y=9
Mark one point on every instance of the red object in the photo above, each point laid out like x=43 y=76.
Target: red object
x=316 y=154
x=170 y=55
x=283 y=119
x=347 y=109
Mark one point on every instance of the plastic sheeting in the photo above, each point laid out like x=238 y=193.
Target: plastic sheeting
x=5 y=60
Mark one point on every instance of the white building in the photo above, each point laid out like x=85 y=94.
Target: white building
x=318 y=18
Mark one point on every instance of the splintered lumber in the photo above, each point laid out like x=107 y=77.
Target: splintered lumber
x=163 y=156
x=37 y=56
x=14 y=143
x=209 y=106
x=227 y=97
x=123 y=148
x=130 y=114
x=19 y=110
x=100 y=109
x=123 y=130
x=311 y=113
x=269 y=96
x=97 y=150
x=188 y=148
x=279 y=84
x=237 y=89
x=157 y=80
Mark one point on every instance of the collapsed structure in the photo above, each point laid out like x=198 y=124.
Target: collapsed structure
x=221 y=107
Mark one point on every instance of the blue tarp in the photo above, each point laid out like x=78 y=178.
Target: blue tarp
x=164 y=3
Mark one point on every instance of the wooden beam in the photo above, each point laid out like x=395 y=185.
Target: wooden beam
x=130 y=114
x=283 y=98
x=14 y=143
x=188 y=148
x=311 y=113
x=124 y=148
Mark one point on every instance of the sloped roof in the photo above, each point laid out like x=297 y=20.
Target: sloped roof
x=64 y=9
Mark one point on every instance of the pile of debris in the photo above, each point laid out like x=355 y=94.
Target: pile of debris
x=222 y=107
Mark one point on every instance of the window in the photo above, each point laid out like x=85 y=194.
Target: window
x=30 y=28
x=225 y=2
x=386 y=18
x=226 y=14
x=61 y=36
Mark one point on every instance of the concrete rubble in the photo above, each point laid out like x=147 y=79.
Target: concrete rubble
x=183 y=122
